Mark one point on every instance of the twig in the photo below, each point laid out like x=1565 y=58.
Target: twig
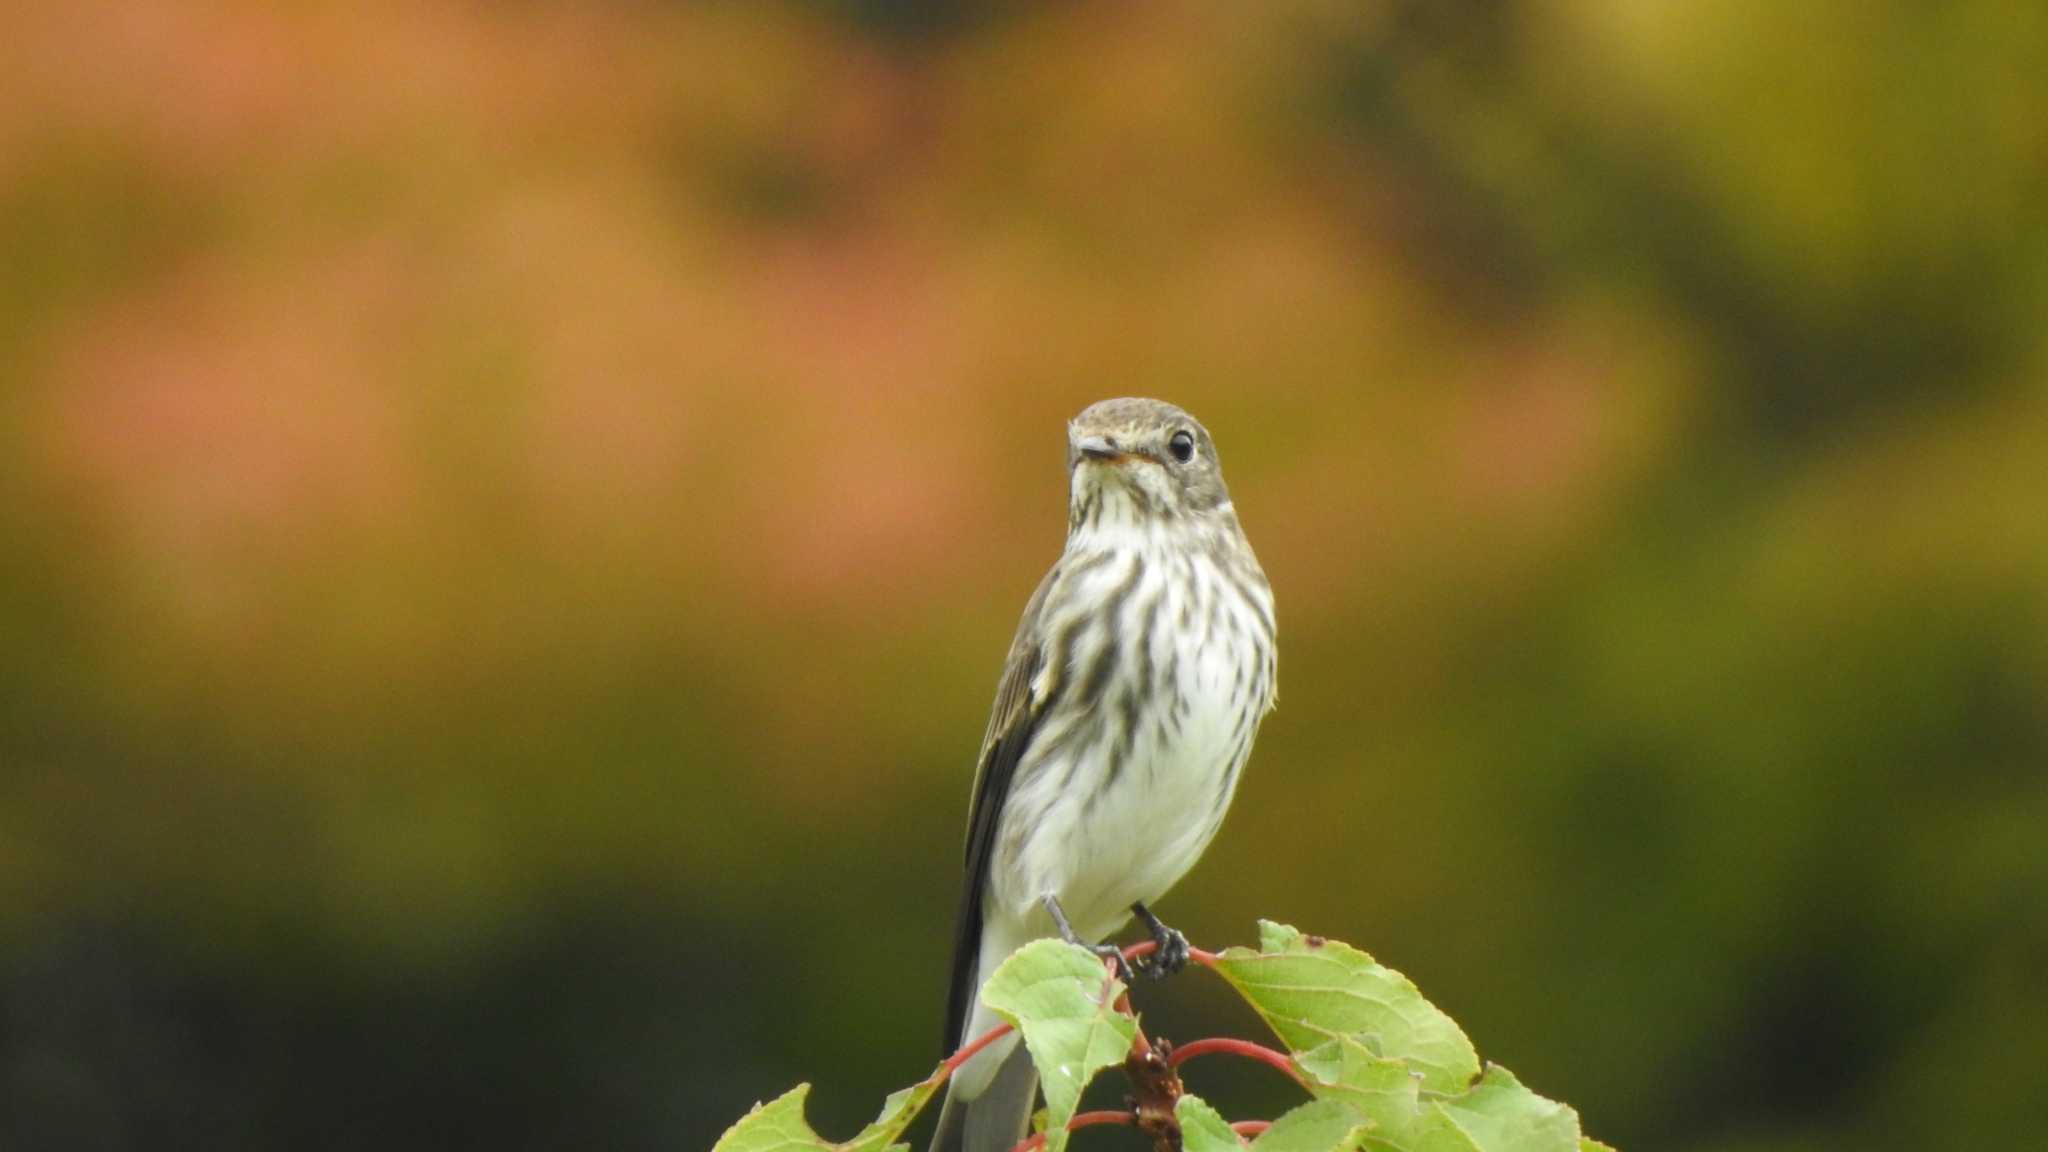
x=1036 y=1141
x=1235 y=1047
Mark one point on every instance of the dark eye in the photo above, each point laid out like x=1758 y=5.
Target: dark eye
x=1182 y=446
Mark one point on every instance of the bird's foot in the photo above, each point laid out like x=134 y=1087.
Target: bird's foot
x=1125 y=970
x=1108 y=952
x=1170 y=949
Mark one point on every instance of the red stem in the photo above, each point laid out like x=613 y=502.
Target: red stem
x=1250 y=1127
x=1146 y=947
x=967 y=1052
x=1245 y=1048
x=1081 y=1120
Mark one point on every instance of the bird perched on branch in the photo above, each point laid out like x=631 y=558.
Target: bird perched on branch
x=1128 y=704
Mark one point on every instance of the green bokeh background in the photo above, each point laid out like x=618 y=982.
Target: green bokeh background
x=510 y=516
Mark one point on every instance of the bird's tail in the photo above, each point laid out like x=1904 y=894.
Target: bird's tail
x=989 y=1099
x=998 y=1118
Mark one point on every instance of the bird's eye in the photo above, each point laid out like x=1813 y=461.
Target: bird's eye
x=1182 y=446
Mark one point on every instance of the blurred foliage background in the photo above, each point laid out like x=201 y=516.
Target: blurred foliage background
x=510 y=515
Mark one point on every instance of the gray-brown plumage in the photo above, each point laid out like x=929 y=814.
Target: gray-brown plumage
x=1125 y=712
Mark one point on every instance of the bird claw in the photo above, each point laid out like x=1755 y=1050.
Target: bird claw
x=1169 y=955
x=1115 y=956
x=1109 y=952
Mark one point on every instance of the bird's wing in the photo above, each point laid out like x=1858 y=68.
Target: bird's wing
x=1010 y=727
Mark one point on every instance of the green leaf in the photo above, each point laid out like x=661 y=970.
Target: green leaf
x=1428 y=1131
x=777 y=1126
x=898 y=1111
x=1500 y=1115
x=1344 y=1069
x=1202 y=1128
x=1311 y=991
x=1062 y=1003
x=1383 y=1091
x=1317 y=1126
x=1496 y=1114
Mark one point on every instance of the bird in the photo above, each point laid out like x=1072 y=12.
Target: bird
x=1126 y=709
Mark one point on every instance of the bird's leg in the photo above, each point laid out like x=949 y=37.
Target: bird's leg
x=1171 y=953
x=1108 y=952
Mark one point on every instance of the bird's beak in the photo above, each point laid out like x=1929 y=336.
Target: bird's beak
x=1098 y=448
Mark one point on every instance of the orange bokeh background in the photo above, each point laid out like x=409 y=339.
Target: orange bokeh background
x=512 y=515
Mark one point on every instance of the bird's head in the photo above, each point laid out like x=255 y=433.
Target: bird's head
x=1137 y=459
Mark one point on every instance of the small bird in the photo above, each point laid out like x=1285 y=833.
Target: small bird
x=1128 y=704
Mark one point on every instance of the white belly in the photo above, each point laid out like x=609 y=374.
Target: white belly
x=1153 y=822
x=1106 y=822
